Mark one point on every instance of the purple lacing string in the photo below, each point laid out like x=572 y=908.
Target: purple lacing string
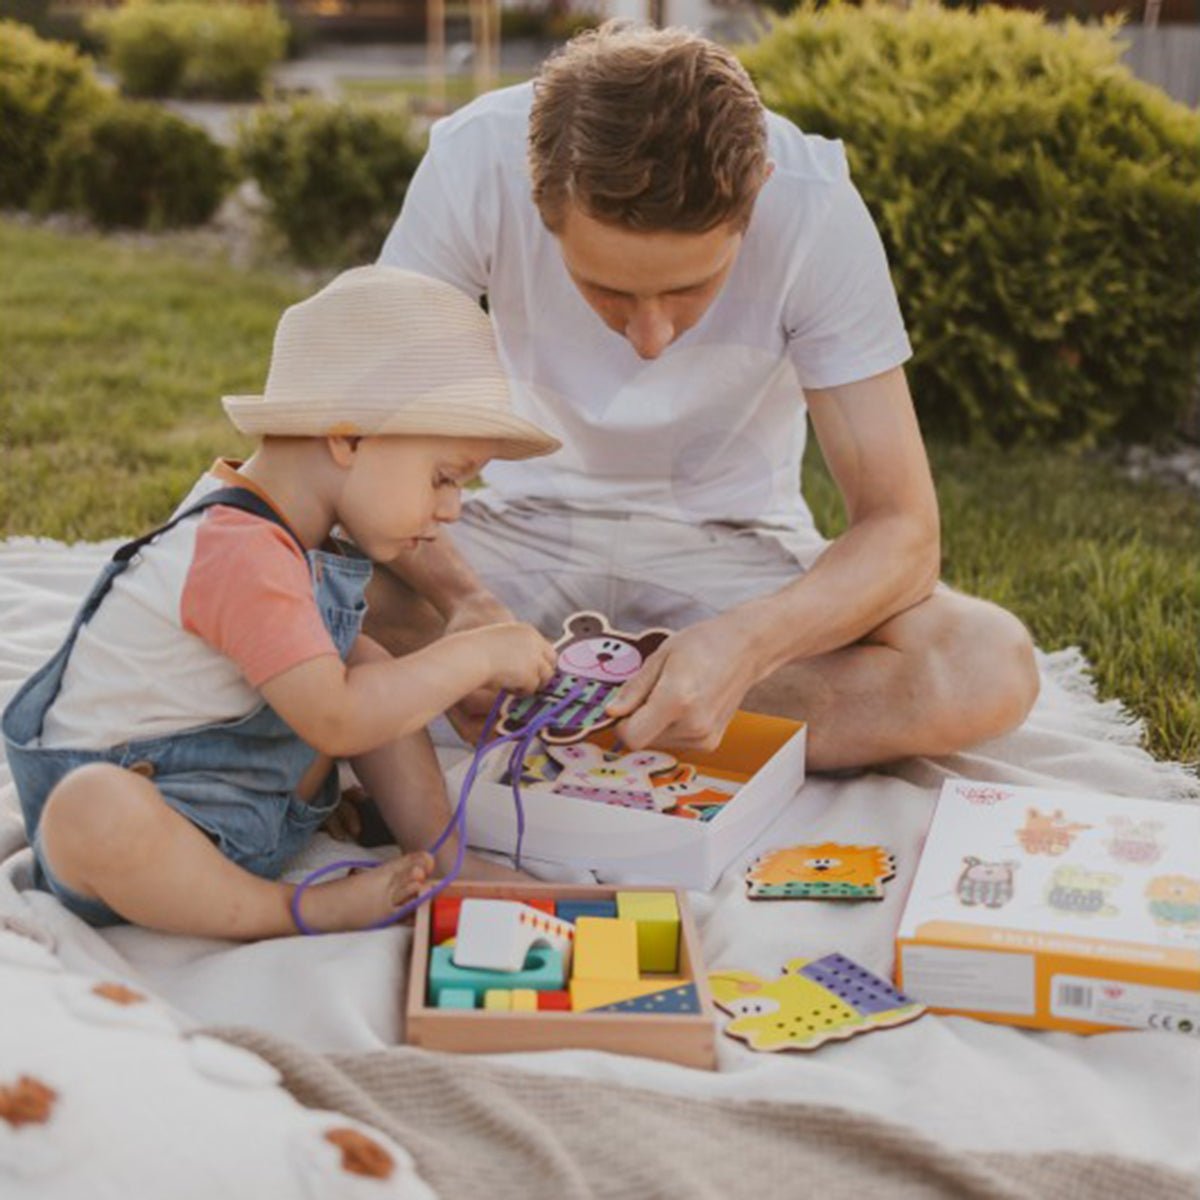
x=458 y=818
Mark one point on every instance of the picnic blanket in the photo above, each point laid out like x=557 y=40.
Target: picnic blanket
x=965 y=1088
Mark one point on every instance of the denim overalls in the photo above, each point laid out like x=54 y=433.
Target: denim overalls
x=236 y=780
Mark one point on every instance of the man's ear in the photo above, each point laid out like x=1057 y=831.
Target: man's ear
x=342 y=448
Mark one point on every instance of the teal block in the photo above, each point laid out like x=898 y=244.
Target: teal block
x=544 y=971
x=684 y=999
x=454 y=997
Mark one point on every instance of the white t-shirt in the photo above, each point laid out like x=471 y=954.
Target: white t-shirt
x=714 y=428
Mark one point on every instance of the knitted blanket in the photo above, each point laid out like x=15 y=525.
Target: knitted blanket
x=475 y=1129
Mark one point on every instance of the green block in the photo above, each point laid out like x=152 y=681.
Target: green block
x=657 y=917
x=453 y=997
x=543 y=972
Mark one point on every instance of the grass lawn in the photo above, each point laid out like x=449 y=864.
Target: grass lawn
x=460 y=89
x=113 y=355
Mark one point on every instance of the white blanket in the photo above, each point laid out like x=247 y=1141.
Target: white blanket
x=965 y=1083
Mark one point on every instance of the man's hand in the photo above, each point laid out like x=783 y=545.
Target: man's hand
x=469 y=715
x=689 y=688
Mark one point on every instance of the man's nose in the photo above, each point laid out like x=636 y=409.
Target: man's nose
x=649 y=329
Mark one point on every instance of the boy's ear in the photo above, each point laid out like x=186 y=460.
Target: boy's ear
x=342 y=448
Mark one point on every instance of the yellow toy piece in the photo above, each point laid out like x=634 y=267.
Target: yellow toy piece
x=597 y=993
x=657 y=918
x=524 y=1000
x=606 y=948
x=497 y=1000
x=813 y=1001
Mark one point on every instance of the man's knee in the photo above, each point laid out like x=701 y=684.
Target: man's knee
x=983 y=668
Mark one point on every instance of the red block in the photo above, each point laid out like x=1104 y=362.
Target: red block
x=554 y=1001
x=445 y=918
x=546 y=906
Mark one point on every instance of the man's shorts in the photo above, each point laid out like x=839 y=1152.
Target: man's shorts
x=639 y=571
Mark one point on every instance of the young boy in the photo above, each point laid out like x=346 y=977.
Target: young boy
x=179 y=748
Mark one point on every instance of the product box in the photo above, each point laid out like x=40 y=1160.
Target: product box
x=687 y=1038
x=751 y=777
x=1065 y=910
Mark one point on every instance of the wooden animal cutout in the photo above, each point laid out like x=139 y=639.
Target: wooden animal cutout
x=593 y=656
x=828 y=871
x=588 y=773
x=1048 y=833
x=812 y=1002
x=689 y=798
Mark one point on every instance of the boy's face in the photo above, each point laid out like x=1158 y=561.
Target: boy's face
x=398 y=490
x=648 y=287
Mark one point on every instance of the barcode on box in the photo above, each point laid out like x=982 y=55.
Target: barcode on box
x=1074 y=996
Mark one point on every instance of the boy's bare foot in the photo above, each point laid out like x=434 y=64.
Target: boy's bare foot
x=362 y=898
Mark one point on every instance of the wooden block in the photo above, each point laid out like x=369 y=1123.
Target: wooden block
x=553 y=1001
x=587 y=994
x=543 y=970
x=572 y=910
x=456 y=998
x=681 y=999
x=524 y=1000
x=657 y=917
x=497 y=935
x=445 y=918
x=497 y=999
x=605 y=948
x=547 y=906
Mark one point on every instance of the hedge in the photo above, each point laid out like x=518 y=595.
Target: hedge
x=334 y=174
x=1040 y=209
x=134 y=164
x=43 y=87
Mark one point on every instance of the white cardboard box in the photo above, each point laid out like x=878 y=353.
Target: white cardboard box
x=1065 y=910
x=624 y=845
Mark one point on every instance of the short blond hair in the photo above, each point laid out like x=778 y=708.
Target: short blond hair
x=648 y=129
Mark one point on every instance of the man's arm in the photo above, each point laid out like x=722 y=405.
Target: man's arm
x=887 y=560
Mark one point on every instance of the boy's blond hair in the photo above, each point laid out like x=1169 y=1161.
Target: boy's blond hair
x=649 y=129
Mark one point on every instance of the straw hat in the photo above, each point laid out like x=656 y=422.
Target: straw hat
x=380 y=350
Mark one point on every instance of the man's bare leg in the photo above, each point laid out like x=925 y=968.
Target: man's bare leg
x=109 y=835
x=950 y=672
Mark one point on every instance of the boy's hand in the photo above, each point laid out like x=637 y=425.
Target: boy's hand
x=516 y=656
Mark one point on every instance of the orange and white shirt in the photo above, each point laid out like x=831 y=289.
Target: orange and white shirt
x=203 y=617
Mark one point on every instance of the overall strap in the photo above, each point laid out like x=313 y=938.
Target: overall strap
x=230 y=497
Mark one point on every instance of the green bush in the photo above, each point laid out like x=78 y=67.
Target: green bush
x=43 y=87
x=1040 y=208
x=334 y=175
x=135 y=164
x=222 y=50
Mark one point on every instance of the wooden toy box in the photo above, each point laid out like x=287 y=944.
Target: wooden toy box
x=685 y=1038
x=624 y=845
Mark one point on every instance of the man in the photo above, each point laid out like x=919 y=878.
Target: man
x=675 y=275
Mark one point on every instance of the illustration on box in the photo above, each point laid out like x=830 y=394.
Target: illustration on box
x=617 y=955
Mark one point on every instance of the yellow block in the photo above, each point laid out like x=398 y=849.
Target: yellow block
x=498 y=999
x=657 y=917
x=596 y=993
x=605 y=948
x=524 y=1000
